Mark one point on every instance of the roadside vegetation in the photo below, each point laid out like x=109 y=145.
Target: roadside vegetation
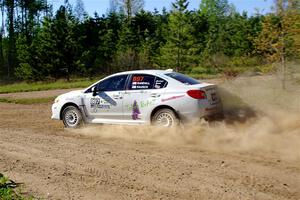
x=10 y=190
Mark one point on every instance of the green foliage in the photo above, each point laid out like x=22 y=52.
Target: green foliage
x=216 y=13
x=24 y=72
x=279 y=39
x=267 y=68
x=213 y=39
x=179 y=49
x=203 y=70
x=247 y=62
x=7 y=190
x=131 y=7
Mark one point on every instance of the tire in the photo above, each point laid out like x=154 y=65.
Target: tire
x=71 y=117
x=165 y=118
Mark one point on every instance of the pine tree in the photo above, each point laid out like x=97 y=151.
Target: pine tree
x=24 y=71
x=10 y=4
x=216 y=13
x=55 y=48
x=79 y=10
x=131 y=7
x=113 y=6
x=2 y=34
x=178 y=50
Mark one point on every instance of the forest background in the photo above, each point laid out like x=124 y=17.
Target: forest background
x=37 y=44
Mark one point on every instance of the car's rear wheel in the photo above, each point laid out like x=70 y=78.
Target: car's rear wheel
x=72 y=117
x=165 y=118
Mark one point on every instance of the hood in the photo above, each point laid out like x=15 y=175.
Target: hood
x=71 y=94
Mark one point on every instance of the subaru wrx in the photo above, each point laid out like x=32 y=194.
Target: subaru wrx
x=158 y=97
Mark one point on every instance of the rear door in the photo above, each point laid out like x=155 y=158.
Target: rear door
x=108 y=102
x=143 y=93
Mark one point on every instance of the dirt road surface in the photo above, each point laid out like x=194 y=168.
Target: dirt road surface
x=36 y=94
x=107 y=162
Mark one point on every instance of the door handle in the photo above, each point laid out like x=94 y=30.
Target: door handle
x=154 y=95
x=116 y=96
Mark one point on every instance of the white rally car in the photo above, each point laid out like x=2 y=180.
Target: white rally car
x=158 y=97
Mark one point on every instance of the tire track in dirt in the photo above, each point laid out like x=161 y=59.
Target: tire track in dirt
x=57 y=164
x=134 y=163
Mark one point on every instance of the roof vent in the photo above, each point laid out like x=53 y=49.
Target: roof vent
x=169 y=70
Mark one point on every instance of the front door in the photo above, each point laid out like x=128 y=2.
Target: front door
x=144 y=93
x=107 y=104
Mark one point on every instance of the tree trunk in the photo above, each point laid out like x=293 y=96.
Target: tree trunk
x=11 y=34
x=1 y=36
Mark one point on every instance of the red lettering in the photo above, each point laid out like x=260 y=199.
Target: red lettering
x=137 y=79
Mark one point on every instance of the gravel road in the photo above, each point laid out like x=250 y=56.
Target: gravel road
x=115 y=162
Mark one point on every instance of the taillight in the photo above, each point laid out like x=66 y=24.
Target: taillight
x=197 y=94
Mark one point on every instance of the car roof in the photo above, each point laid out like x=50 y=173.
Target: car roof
x=153 y=71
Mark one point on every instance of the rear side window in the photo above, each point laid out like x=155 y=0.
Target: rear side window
x=183 y=78
x=160 y=83
x=146 y=82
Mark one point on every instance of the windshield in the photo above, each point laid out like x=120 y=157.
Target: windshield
x=183 y=78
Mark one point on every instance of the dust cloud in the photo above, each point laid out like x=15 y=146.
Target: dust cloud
x=260 y=117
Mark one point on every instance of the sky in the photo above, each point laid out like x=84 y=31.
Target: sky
x=101 y=6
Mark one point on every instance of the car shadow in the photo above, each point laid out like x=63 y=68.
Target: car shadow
x=235 y=109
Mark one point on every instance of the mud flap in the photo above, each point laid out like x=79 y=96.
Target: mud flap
x=83 y=111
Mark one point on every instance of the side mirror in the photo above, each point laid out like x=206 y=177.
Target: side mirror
x=94 y=91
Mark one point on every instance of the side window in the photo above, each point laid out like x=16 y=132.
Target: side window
x=160 y=83
x=115 y=83
x=146 y=82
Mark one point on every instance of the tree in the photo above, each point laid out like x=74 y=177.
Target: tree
x=178 y=50
x=113 y=6
x=29 y=20
x=25 y=70
x=126 y=57
x=55 y=50
x=41 y=45
x=79 y=10
x=10 y=4
x=108 y=40
x=279 y=38
x=216 y=13
x=131 y=7
x=238 y=35
x=2 y=33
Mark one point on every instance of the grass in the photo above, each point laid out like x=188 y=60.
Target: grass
x=9 y=190
x=27 y=101
x=204 y=76
x=39 y=86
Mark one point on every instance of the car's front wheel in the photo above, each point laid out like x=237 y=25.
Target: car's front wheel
x=165 y=118
x=71 y=117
